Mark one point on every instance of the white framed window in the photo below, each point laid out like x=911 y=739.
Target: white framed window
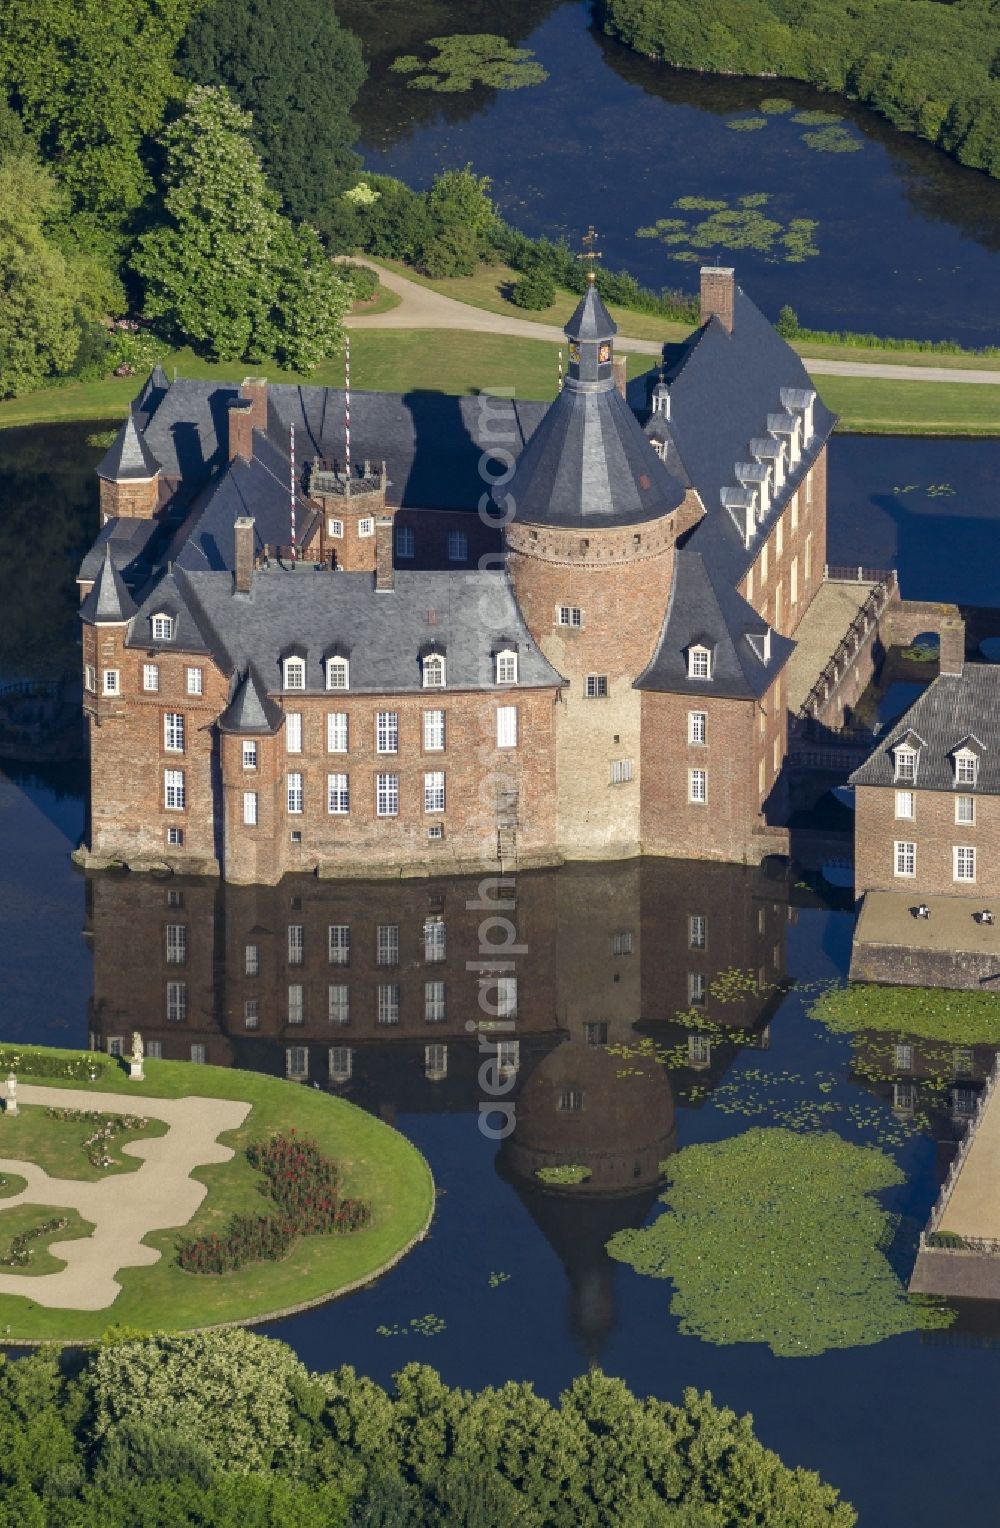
x=177 y=938
x=387 y=795
x=435 y=1062
x=338 y=674
x=697 y=726
x=294 y=793
x=699 y=663
x=387 y=944
x=434 y=790
x=339 y=944
x=597 y=686
x=434 y=1002
x=458 y=546
x=249 y=809
x=293 y=731
x=905 y=857
x=249 y=755
x=506 y=667
x=296 y=944
x=387 y=732
x=175 y=837
x=506 y=997
x=294 y=673
x=177 y=1002
x=340 y=1060
x=621 y=771
x=506 y=726
x=338 y=1003
x=251 y=960
x=406 y=541
x=295 y=1007
x=112 y=682
x=906 y=762
x=195 y=681
x=697 y=931
x=334 y=528
x=251 y=1013
x=569 y=615
x=699 y=1051
x=433 y=671
x=338 y=795
x=336 y=732
x=366 y=527
x=435 y=940
x=965 y=809
x=150 y=678
x=964 y=864
x=621 y=944
x=173 y=732
x=809 y=489
x=903 y=1057
x=90 y=677
x=433 y=731
x=906 y=804
x=696 y=988
x=508 y=1056
x=387 y=1011
x=175 y=898
x=174 y=794
x=966 y=767
x=698 y=785
x=163 y=628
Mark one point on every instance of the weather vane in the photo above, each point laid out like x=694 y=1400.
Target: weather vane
x=590 y=253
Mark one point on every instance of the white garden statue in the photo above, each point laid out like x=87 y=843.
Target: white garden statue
x=12 y=1094
x=135 y=1071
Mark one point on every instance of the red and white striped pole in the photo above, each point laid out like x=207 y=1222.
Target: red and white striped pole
x=347 y=409
x=291 y=452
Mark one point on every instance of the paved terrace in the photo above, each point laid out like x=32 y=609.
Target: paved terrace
x=886 y=919
x=817 y=636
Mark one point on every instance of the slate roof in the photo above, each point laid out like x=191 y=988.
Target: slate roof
x=591 y=319
x=170 y=594
x=250 y=710
x=108 y=600
x=260 y=488
x=129 y=456
x=944 y=716
x=704 y=609
x=133 y=549
x=469 y=613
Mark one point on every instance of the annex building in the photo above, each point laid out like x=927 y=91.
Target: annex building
x=473 y=628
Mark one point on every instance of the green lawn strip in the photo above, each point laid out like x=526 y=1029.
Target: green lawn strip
x=926 y=1013
x=383 y=302
x=11 y=1184
x=881 y=406
x=378 y=1165
x=24 y=1217
x=56 y=1145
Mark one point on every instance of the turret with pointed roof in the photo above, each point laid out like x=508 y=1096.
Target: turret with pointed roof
x=109 y=602
x=129 y=474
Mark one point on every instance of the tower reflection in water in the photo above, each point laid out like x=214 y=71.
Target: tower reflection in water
x=371 y=990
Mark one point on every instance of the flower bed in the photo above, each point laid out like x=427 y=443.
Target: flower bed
x=108 y=1126
x=304 y=1185
x=19 y=1254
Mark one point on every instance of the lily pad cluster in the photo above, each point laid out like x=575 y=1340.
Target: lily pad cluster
x=775 y=1237
x=738 y=224
x=572 y=1172
x=827 y=132
x=422 y=1326
x=465 y=60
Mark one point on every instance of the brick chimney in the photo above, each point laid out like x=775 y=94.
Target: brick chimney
x=952 y=636
x=718 y=291
x=385 y=580
x=620 y=368
x=243 y=533
x=241 y=429
x=254 y=390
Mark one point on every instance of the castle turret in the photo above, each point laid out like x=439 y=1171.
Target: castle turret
x=129 y=475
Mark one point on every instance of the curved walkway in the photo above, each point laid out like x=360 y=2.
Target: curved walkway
x=422 y=308
x=124 y=1207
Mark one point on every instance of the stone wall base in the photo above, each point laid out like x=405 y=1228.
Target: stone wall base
x=961 y=1275
x=902 y=966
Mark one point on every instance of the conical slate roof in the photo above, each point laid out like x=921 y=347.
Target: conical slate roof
x=591 y=321
x=129 y=456
x=250 y=710
x=109 y=599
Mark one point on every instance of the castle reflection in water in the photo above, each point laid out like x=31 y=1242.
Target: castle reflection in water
x=371 y=989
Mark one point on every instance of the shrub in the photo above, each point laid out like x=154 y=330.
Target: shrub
x=536 y=290
x=29 y=1063
x=361 y=279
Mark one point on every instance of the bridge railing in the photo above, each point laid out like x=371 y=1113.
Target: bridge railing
x=850 y=644
x=930 y=1232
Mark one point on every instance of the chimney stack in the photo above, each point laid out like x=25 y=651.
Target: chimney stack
x=241 y=430
x=619 y=367
x=243 y=532
x=718 y=292
x=385 y=580
x=254 y=390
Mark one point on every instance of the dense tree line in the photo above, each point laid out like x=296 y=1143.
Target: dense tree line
x=230 y=1430
x=930 y=68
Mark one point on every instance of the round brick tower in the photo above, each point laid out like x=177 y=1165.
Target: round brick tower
x=593 y=517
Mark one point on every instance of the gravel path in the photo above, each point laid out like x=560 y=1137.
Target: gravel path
x=124 y=1207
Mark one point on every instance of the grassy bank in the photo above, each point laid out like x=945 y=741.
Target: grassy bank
x=377 y=1164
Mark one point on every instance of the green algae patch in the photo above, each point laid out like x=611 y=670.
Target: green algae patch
x=925 y=1013
x=775 y=1237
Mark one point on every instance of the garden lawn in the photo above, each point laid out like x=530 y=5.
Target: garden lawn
x=23 y=1217
x=925 y=1013
x=377 y=1164
x=57 y=1145
x=880 y=406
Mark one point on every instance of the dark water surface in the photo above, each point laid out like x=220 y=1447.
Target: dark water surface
x=905 y=234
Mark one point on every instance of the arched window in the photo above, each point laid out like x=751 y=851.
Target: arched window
x=434 y=671
x=506 y=666
x=699 y=662
x=338 y=674
x=163 y=628
x=295 y=673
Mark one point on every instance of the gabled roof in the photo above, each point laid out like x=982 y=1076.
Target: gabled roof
x=133 y=549
x=952 y=709
x=250 y=710
x=260 y=488
x=705 y=611
x=108 y=601
x=169 y=593
x=129 y=457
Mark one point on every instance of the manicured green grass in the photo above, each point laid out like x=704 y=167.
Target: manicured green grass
x=383 y=302
x=377 y=1163
x=24 y=1217
x=56 y=1145
x=11 y=1184
x=926 y=1013
x=883 y=407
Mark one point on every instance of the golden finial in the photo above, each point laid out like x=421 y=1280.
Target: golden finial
x=590 y=253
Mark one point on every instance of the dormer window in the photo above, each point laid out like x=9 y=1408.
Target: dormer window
x=506 y=667
x=434 y=671
x=163 y=628
x=295 y=673
x=906 y=762
x=699 y=662
x=338 y=674
x=966 y=767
